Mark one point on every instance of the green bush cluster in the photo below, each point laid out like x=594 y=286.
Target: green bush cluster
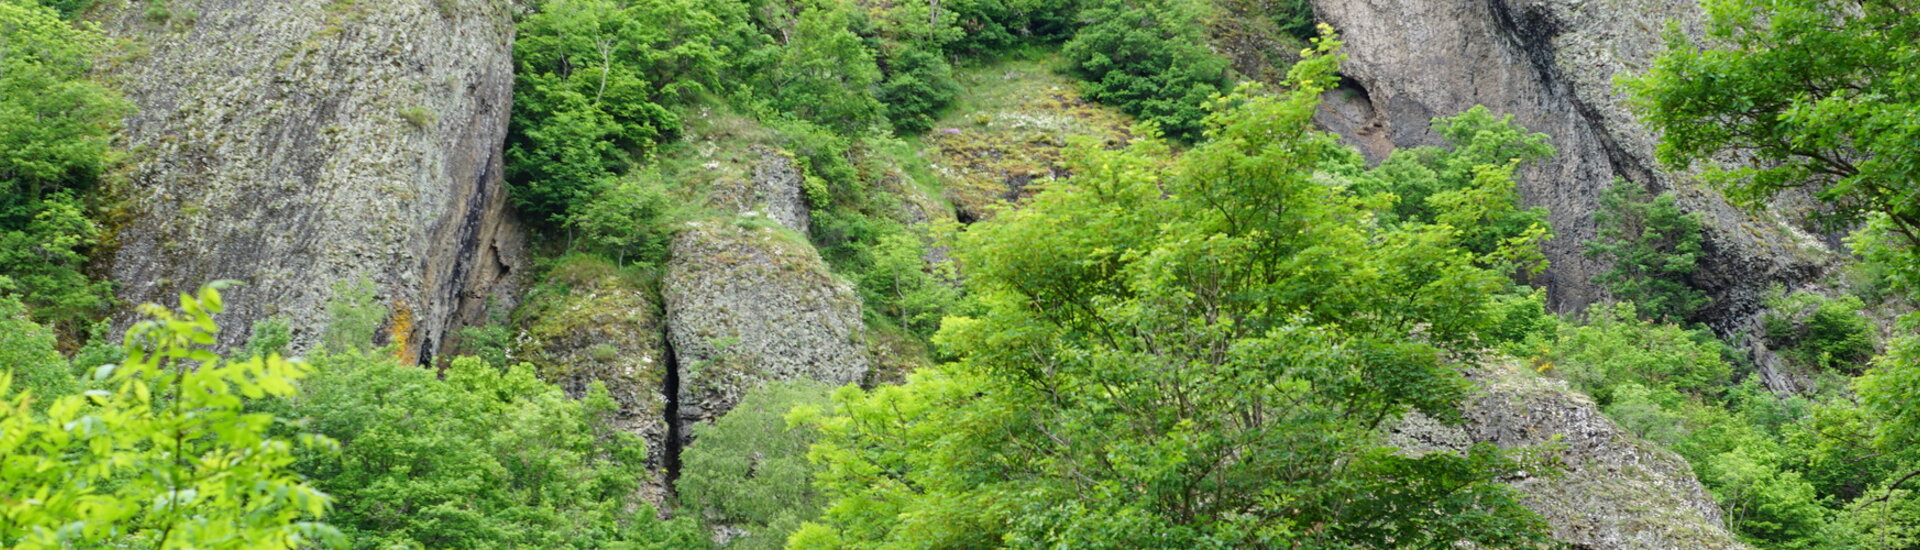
x=55 y=128
x=1817 y=331
x=1149 y=58
x=595 y=85
x=750 y=470
x=1180 y=351
x=1654 y=246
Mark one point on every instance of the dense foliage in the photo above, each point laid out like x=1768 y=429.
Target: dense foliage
x=165 y=454
x=1816 y=96
x=595 y=81
x=1191 y=351
x=55 y=128
x=475 y=456
x=1150 y=58
x=1431 y=184
x=750 y=470
x=1654 y=247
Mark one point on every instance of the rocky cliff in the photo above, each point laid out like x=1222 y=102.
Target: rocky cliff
x=749 y=304
x=1553 y=64
x=1617 y=492
x=295 y=144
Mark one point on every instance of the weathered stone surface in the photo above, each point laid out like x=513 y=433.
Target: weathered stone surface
x=1552 y=64
x=295 y=144
x=592 y=323
x=777 y=190
x=1618 y=492
x=747 y=304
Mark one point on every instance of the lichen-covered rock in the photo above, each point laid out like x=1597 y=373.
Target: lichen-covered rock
x=295 y=144
x=591 y=322
x=746 y=304
x=1618 y=492
x=1552 y=64
x=774 y=188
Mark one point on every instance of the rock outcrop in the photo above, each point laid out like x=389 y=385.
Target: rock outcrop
x=295 y=144
x=1552 y=64
x=594 y=323
x=775 y=189
x=1618 y=492
x=747 y=304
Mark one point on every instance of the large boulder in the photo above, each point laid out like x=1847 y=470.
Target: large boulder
x=749 y=303
x=1553 y=64
x=296 y=144
x=1618 y=492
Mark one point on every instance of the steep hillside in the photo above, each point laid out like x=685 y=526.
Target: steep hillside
x=294 y=146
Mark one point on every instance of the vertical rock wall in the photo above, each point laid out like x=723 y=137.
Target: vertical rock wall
x=1553 y=64
x=295 y=144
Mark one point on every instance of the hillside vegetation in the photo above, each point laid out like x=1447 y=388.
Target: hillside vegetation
x=825 y=274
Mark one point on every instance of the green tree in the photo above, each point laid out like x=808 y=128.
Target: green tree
x=595 y=86
x=824 y=73
x=919 y=83
x=1815 y=95
x=1820 y=332
x=1185 y=351
x=168 y=457
x=749 y=469
x=628 y=220
x=55 y=130
x=1473 y=172
x=1149 y=58
x=1654 y=246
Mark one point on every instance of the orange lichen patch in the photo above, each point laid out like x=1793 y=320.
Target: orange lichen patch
x=1011 y=133
x=400 y=331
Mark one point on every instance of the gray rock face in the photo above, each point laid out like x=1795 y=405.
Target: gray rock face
x=773 y=188
x=1618 y=492
x=1551 y=64
x=749 y=305
x=294 y=144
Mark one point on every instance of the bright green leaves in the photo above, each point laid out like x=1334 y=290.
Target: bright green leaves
x=825 y=74
x=166 y=455
x=1187 y=351
x=1817 y=94
x=1468 y=186
x=750 y=469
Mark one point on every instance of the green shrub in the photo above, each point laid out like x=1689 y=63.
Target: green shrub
x=27 y=353
x=487 y=458
x=1817 y=331
x=1654 y=247
x=1429 y=184
x=354 y=317
x=918 y=85
x=628 y=221
x=749 y=469
x=1614 y=346
x=1149 y=58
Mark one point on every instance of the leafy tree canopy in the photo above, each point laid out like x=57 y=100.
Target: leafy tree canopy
x=1187 y=351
